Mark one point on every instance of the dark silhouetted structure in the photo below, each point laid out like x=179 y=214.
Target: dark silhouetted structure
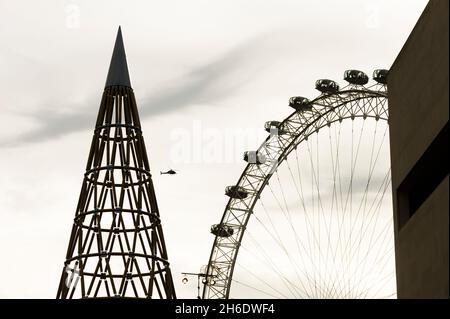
x=418 y=107
x=117 y=247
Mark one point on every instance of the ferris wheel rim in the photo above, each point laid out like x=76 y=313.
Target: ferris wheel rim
x=361 y=93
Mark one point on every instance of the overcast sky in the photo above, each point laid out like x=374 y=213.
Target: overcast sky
x=206 y=75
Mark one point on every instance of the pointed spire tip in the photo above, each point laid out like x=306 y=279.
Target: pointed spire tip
x=118 y=68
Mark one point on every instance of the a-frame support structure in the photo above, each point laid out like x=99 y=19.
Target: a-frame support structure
x=117 y=247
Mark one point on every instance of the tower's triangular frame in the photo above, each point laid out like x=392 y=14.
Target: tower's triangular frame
x=117 y=247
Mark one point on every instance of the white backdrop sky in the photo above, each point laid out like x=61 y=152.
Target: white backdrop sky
x=200 y=69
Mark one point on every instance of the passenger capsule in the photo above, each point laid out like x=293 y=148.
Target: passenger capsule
x=327 y=86
x=222 y=230
x=254 y=157
x=270 y=126
x=236 y=192
x=300 y=103
x=356 y=77
x=380 y=76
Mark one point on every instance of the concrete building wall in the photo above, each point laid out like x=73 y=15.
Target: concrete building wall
x=422 y=251
x=418 y=104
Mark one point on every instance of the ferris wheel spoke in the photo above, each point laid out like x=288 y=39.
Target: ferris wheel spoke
x=338 y=172
x=309 y=226
x=377 y=204
x=316 y=227
x=274 y=234
x=390 y=253
x=384 y=260
x=385 y=246
x=288 y=217
x=285 y=215
x=381 y=283
x=376 y=215
x=278 y=241
x=340 y=276
x=365 y=278
x=369 y=179
x=259 y=278
x=358 y=216
x=293 y=289
x=349 y=197
x=336 y=285
x=339 y=279
x=270 y=262
x=307 y=223
x=384 y=185
x=320 y=210
x=289 y=255
x=259 y=290
x=288 y=214
x=365 y=195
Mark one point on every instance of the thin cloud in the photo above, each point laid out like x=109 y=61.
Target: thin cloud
x=205 y=84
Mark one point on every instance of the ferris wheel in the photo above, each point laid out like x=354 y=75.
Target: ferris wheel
x=311 y=215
